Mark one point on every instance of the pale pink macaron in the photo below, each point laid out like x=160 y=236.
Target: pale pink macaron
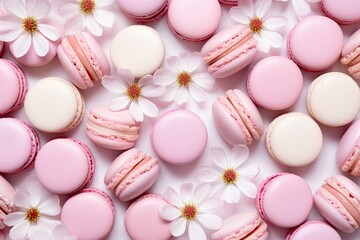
x=144 y=10
x=13 y=87
x=343 y=12
x=351 y=55
x=131 y=174
x=284 y=200
x=7 y=194
x=89 y=214
x=348 y=150
x=313 y=229
x=144 y=212
x=229 y=51
x=83 y=59
x=19 y=145
x=65 y=165
x=194 y=20
x=315 y=43
x=237 y=119
x=242 y=226
x=338 y=201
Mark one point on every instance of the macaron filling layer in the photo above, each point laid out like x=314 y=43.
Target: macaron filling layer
x=353 y=162
x=256 y=228
x=122 y=133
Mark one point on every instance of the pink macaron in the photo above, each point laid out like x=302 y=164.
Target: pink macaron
x=284 y=200
x=242 y=226
x=315 y=43
x=144 y=10
x=229 y=2
x=113 y=130
x=13 y=87
x=194 y=20
x=343 y=12
x=7 y=194
x=83 y=59
x=89 y=214
x=313 y=229
x=131 y=174
x=19 y=145
x=351 y=55
x=2 y=48
x=144 y=212
x=348 y=150
x=338 y=201
x=229 y=51
x=64 y=165
x=237 y=119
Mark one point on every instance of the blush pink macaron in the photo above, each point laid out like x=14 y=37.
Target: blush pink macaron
x=284 y=200
x=351 y=55
x=343 y=12
x=315 y=43
x=144 y=10
x=13 y=87
x=64 y=165
x=313 y=229
x=338 y=201
x=83 y=59
x=194 y=20
x=7 y=194
x=131 y=174
x=89 y=214
x=242 y=226
x=237 y=119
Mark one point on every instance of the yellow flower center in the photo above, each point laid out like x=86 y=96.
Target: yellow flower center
x=189 y=211
x=134 y=91
x=256 y=24
x=230 y=176
x=30 y=24
x=32 y=215
x=87 y=6
x=184 y=79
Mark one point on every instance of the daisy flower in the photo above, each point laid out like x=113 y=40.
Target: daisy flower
x=263 y=28
x=192 y=209
x=227 y=177
x=133 y=92
x=61 y=233
x=25 y=24
x=35 y=209
x=90 y=14
x=183 y=78
x=302 y=7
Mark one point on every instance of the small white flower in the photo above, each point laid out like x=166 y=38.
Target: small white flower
x=228 y=178
x=24 y=24
x=61 y=233
x=36 y=207
x=90 y=14
x=192 y=209
x=302 y=8
x=183 y=78
x=133 y=92
x=264 y=29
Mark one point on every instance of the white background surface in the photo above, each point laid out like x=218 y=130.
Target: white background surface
x=173 y=176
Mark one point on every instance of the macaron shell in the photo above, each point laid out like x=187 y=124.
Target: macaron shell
x=144 y=10
x=347 y=12
x=314 y=229
x=7 y=194
x=351 y=47
x=229 y=2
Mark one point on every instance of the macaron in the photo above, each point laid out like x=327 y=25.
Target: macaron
x=333 y=99
x=144 y=11
x=348 y=150
x=131 y=174
x=313 y=229
x=83 y=59
x=294 y=139
x=284 y=200
x=129 y=46
x=345 y=12
x=7 y=194
x=54 y=105
x=229 y=2
x=179 y=137
x=242 y=226
x=2 y=48
x=229 y=51
x=338 y=201
x=237 y=119
x=13 y=87
x=113 y=130
x=144 y=212
x=315 y=43
x=194 y=20
x=275 y=83
x=19 y=145
x=351 y=55
x=89 y=214
x=65 y=165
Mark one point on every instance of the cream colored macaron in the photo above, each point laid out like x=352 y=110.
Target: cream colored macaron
x=333 y=99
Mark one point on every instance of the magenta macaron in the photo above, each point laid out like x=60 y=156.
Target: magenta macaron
x=229 y=51
x=7 y=194
x=343 y=12
x=229 y=2
x=131 y=174
x=313 y=229
x=351 y=55
x=83 y=59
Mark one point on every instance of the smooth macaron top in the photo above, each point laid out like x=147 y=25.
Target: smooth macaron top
x=310 y=44
x=142 y=9
x=194 y=20
x=343 y=12
x=313 y=229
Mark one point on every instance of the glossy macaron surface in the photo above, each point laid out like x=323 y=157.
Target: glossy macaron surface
x=347 y=12
x=144 y=10
x=313 y=229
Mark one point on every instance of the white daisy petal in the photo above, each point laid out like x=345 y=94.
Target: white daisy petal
x=49 y=32
x=114 y=85
x=196 y=232
x=10 y=23
x=20 y=230
x=249 y=172
x=302 y=8
x=169 y=212
x=195 y=61
x=248 y=188
x=204 y=80
x=172 y=197
x=170 y=93
x=104 y=18
x=273 y=39
x=104 y=2
x=174 y=64
x=313 y=1
x=239 y=154
x=218 y=156
x=69 y=10
x=262 y=7
x=275 y=23
x=186 y=192
x=37 y=8
x=136 y=112
x=232 y=194
x=247 y=6
x=238 y=15
x=22 y=198
x=200 y=193
x=16 y=7
x=148 y=107
x=126 y=75
x=164 y=77
x=22 y=45
x=51 y=206
x=152 y=91
x=208 y=175
x=261 y=44
x=38 y=232
x=93 y=25
x=184 y=59
x=14 y=218
x=182 y=96
x=147 y=80
x=211 y=205
x=197 y=93
x=177 y=227
x=47 y=223
x=61 y=233
x=119 y=103
x=210 y=221
x=11 y=35
x=41 y=45
x=75 y=24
